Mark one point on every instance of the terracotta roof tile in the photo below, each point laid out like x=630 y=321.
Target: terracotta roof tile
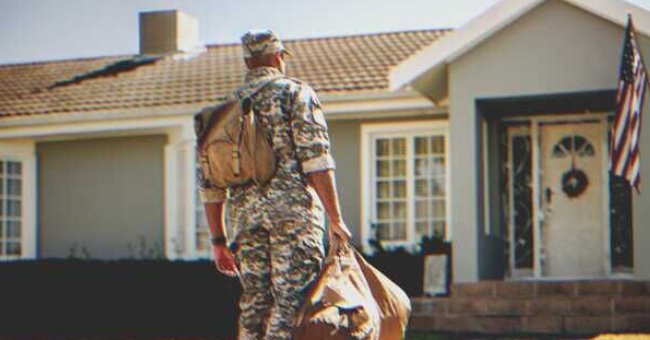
x=347 y=64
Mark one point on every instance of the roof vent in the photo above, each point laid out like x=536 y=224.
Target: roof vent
x=168 y=32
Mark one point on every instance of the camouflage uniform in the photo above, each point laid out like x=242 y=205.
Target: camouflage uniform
x=280 y=228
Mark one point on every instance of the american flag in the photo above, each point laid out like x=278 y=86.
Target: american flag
x=633 y=82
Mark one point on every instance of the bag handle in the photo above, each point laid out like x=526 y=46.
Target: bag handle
x=337 y=247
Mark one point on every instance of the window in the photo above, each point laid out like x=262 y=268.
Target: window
x=202 y=230
x=406 y=187
x=573 y=146
x=11 y=219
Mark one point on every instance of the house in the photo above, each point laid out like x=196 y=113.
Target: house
x=529 y=88
x=544 y=240
x=493 y=136
x=97 y=155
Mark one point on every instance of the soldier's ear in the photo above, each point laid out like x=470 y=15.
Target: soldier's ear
x=277 y=58
x=249 y=63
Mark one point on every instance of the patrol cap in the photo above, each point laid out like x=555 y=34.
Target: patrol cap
x=260 y=42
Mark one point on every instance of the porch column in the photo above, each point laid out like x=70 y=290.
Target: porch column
x=180 y=198
x=464 y=168
x=640 y=204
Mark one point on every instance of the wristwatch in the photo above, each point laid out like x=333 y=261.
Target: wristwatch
x=218 y=240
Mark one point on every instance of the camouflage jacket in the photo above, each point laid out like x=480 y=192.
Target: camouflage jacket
x=293 y=120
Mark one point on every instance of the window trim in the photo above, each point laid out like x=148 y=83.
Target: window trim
x=23 y=152
x=392 y=129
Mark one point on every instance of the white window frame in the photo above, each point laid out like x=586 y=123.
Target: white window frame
x=199 y=210
x=200 y=215
x=23 y=152
x=369 y=132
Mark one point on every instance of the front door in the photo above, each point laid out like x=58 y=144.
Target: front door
x=571 y=205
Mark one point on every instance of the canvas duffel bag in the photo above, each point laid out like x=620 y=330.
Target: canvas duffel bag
x=339 y=304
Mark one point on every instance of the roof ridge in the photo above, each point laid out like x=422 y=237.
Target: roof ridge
x=356 y=35
x=61 y=61
x=217 y=45
x=345 y=36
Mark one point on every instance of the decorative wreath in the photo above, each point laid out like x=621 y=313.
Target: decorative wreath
x=574 y=182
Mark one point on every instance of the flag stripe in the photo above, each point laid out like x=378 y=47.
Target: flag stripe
x=633 y=83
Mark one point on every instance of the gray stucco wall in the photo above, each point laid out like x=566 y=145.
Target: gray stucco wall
x=345 y=138
x=641 y=203
x=555 y=48
x=101 y=194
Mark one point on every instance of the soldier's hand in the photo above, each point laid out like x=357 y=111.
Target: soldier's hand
x=339 y=230
x=224 y=260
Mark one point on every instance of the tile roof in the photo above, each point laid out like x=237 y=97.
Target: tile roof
x=347 y=64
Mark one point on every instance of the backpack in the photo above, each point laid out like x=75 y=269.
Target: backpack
x=231 y=147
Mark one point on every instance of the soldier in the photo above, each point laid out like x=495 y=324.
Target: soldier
x=279 y=228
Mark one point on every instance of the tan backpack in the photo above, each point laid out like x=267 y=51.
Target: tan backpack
x=231 y=146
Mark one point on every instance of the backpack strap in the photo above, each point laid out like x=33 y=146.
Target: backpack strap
x=247 y=107
x=293 y=143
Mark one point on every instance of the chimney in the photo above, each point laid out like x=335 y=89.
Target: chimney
x=168 y=32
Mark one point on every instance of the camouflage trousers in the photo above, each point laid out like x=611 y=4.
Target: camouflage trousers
x=277 y=262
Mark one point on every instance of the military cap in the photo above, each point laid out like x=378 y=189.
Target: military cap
x=262 y=42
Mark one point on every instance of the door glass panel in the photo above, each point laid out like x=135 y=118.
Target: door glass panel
x=523 y=201
x=573 y=145
x=620 y=219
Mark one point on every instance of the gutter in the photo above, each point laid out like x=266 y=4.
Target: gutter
x=336 y=107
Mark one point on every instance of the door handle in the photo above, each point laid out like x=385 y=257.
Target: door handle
x=549 y=195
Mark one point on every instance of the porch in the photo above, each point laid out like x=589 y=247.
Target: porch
x=537 y=307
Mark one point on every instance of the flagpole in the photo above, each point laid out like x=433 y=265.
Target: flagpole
x=647 y=81
x=636 y=40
